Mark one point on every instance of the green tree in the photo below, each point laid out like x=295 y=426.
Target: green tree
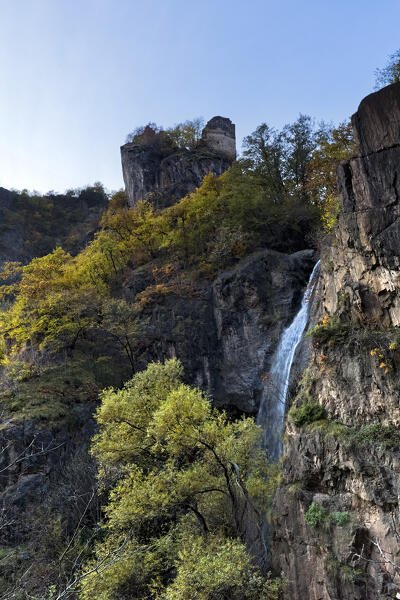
x=281 y=158
x=184 y=477
x=390 y=73
x=333 y=145
x=185 y=135
x=182 y=136
x=299 y=144
x=265 y=149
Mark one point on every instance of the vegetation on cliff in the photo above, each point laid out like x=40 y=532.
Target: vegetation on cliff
x=272 y=198
x=183 y=136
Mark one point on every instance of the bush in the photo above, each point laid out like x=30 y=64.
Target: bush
x=339 y=518
x=317 y=516
x=330 y=331
x=307 y=413
x=342 y=571
x=386 y=436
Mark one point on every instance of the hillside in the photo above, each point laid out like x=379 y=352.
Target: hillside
x=161 y=331
x=33 y=225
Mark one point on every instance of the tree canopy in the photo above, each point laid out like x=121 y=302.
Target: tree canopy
x=183 y=477
x=281 y=158
x=182 y=136
x=333 y=145
x=390 y=73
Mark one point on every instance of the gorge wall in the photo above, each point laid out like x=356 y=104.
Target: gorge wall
x=337 y=519
x=224 y=332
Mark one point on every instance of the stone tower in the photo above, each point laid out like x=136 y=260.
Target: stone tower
x=219 y=135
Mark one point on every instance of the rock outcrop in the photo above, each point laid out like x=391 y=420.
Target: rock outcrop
x=164 y=178
x=347 y=466
x=365 y=259
x=252 y=305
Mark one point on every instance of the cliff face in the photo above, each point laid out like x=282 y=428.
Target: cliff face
x=346 y=467
x=225 y=331
x=165 y=179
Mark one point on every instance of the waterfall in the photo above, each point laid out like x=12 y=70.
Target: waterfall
x=273 y=400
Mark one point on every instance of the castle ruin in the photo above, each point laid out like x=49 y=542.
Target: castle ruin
x=166 y=178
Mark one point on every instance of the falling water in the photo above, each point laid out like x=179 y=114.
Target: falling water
x=272 y=406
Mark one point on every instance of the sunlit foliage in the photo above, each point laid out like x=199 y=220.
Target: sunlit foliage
x=274 y=197
x=184 y=476
x=333 y=145
x=57 y=297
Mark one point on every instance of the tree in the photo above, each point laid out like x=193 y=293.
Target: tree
x=281 y=158
x=182 y=136
x=120 y=320
x=390 y=73
x=183 y=477
x=333 y=145
x=265 y=149
x=299 y=144
x=185 y=135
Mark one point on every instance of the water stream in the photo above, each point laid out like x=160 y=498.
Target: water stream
x=271 y=413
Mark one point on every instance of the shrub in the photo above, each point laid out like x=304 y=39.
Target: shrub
x=337 y=569
x=307 y=413
x=339 y=518
x=316 y=516
x=387 y=436
x=330 y=331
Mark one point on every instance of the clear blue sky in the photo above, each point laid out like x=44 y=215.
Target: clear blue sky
x=77 y=75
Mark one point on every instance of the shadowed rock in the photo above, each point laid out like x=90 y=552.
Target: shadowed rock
x=377 y=122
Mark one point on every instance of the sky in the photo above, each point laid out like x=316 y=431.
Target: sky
x=76 y=76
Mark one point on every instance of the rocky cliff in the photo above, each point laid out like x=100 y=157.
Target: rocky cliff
x=337 y=513
x=225 y=331
x=165 y=177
